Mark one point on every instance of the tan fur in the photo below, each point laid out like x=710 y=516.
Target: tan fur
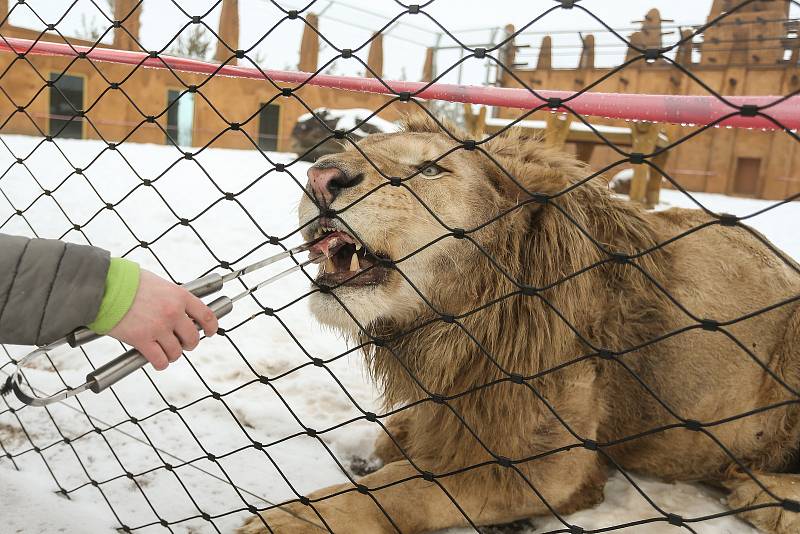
x=718 y=273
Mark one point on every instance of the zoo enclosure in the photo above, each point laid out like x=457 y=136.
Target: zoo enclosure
x=708 y=110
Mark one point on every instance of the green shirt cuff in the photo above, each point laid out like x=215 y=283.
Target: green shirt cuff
x=122 y=282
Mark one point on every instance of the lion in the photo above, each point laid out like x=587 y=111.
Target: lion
x=530 y=331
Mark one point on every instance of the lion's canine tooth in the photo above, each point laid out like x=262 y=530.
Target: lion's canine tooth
x=358 y=245
x=354 y=266
x=330 y=267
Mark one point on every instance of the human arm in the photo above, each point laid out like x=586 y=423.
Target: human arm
x=49 y=288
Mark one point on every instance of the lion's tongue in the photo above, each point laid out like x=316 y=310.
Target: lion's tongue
x=328 y=245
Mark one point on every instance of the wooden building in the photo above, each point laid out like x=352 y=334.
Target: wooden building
x=754 y=51
x=195 y=120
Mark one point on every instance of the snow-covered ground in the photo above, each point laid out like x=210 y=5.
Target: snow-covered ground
x=225 y=364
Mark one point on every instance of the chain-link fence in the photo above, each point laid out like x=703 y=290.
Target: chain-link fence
x=559 y=334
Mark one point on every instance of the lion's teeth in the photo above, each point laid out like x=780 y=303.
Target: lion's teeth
x=330 y=267
x=354 y=266
x=358 y=246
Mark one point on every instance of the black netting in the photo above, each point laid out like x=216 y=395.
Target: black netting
x=202 y=438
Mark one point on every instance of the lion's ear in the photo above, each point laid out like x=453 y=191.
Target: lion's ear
x=418 y=122
x=421 y=122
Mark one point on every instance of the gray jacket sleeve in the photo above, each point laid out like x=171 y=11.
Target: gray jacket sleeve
x=48 y=288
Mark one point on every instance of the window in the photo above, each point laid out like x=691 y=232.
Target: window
x=180 y=118
x=268 y=121
x=66 y=99
x=746 y=181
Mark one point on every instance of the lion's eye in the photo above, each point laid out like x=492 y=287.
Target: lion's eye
x=431 y=170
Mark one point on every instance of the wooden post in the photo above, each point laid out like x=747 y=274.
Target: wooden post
x=635 y=39
x=124 y=11
x=651 y=29
x=645 y=136
x=586 y=60
x=309 y=45
x=653 y=194
x=555 y=135
x=584 y=151
x=476 y=123
x=375 y=57
x=508 y=55
x=545 y=61
x=684 y=54
x=427 y=68
x=480 y=125
x=228 y=31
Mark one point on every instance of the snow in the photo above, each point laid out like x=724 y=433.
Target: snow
x=775 y=222
x=624 y=174
x=24 y=495
x=229 y=364
x=779 y=224
x=348 y=119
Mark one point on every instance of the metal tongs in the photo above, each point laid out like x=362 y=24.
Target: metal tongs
x=123 y=365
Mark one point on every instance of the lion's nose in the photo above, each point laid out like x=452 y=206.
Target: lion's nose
x=327 y=182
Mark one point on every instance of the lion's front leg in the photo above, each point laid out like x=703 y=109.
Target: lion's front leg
x=397 y=498
x=404 y=507
x=390 y=441
x=344 y=513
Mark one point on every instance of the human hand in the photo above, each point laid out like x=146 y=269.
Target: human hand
x=159 y=322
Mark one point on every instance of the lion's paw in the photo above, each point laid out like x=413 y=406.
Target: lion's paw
x=772 y=519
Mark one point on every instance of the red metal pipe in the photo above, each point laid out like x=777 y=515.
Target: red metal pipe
x=678 y=109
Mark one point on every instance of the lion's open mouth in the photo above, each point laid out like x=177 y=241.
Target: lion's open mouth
x=344 y=260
